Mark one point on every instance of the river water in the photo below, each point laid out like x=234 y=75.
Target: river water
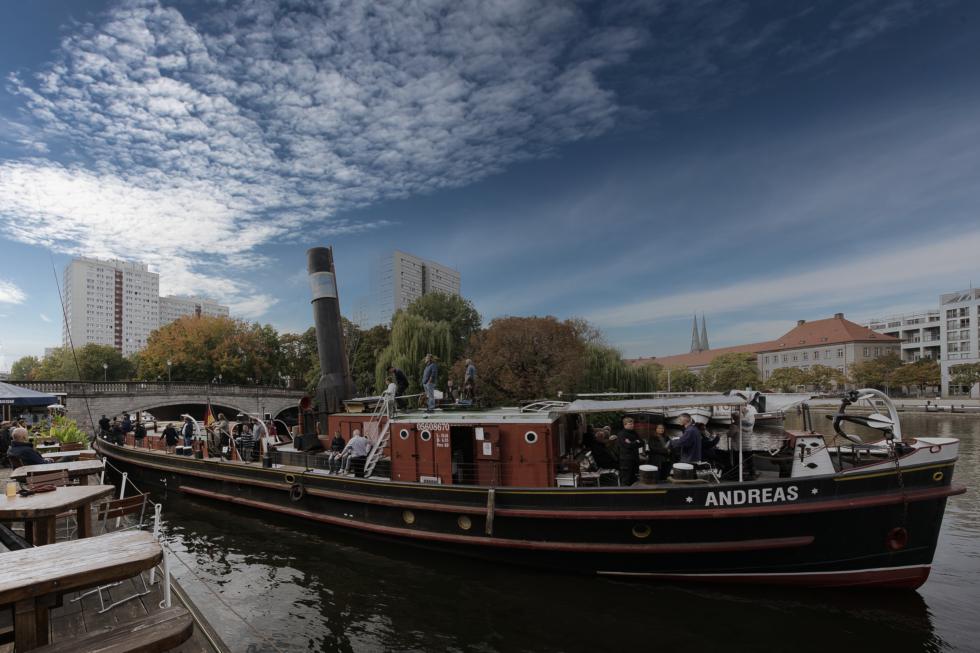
x=274 y=584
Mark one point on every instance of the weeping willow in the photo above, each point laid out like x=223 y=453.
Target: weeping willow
x=605 y=371
x=412 y=337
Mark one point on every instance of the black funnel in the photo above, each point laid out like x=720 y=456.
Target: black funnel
x=335 y=382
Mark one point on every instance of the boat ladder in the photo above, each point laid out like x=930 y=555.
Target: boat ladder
x=382 y=413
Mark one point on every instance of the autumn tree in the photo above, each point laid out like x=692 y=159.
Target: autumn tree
x=25 y=368
x=731 y=371
x=522 y=358
x=786 y=379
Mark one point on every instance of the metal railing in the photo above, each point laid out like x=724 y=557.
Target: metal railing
x=89 y=388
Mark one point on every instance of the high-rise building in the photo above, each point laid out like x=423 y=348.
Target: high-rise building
x=173 y=308
x=403 y=278
x=919 y=333
x=959 y=314
x=115 y=303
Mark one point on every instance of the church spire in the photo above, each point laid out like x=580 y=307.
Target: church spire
x=704 y=333
x=695 y=340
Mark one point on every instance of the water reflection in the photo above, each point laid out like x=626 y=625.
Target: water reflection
x=301 y=587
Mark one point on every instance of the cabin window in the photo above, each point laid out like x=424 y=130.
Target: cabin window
x=530 y=437
x=425 y=435
x=403 y=434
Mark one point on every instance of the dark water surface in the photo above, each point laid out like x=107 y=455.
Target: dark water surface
x=300 y=587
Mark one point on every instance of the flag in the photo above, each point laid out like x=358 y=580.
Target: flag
x=208 y=416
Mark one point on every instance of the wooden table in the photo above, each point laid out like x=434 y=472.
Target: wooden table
x=45 y=448
x=32 y=580
x=62 y=455
x=39 y=511
x=78 y=469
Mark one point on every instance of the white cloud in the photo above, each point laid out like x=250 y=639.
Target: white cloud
x=10 y=293
x=44 y=318
x=898 y=269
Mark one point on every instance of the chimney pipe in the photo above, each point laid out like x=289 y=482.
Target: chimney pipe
x=800 y=322
x=335 y=382
x=839 y=316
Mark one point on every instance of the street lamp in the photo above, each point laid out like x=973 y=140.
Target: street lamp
x=169 y=363
x=105 y=371
x=219 y=378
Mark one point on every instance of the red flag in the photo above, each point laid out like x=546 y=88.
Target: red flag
x=208 y=416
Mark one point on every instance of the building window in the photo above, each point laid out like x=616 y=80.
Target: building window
x=806 y=356
x=840 y=353
x=867 y=351
x=785 y=358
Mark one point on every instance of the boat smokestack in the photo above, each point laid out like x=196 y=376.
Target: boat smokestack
x=335 y=383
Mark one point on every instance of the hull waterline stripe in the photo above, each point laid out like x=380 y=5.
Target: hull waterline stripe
x=585 y=547
x=910 y=576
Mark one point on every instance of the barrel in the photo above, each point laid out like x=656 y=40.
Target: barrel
x=648 y=474
x=684 y=472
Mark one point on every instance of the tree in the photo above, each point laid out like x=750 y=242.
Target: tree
x=786 y=379
x=522 y=358
x=730 y=372
x=364 y=359
x=92 y=358
x=300 y=361
x=25 y=368
x=606 y=371
x=456 y=311
x=917 y=375
x=678 y=379
x=412 y=337
x=875 y=373
x=823 y=378
x=967 y=374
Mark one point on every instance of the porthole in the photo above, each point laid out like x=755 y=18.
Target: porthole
x=530 y=437
x=425 y=435
x=464 y=522
x=403 y=434
x=641 y=531
x=408 y=517
x=938 y=476
x=290 y=479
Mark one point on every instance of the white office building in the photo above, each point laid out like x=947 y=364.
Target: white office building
x=960 y=337
x=115 y=303
x=920 y=333
x=403 y=278
x=173 y=308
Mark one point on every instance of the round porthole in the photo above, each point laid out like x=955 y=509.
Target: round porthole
x=641 y=531
x=425 y=435
x=408 y=517
x=403 y=434
x=938 y=476
x=289 y=478
x=464 y=522
x=530 y=437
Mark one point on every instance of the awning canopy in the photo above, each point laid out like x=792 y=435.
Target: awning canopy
x=17 y=396
x=652 y=404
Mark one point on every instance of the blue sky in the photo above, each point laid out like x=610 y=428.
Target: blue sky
x=631 y=163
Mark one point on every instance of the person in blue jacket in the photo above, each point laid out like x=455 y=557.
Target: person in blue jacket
x=689 y=443
x=430 y=376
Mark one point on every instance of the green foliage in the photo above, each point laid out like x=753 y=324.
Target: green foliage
x=786 y=379
x=605 y=371
x=300 y=361
x=456 y=311
x=730 y=371
x=25 y=368
x=966 y=375
x=365 y=349
x=823 y=378
x=678 y=379
x=412 y=337
x=59 y=365
x=875 y=373
x=66 y=431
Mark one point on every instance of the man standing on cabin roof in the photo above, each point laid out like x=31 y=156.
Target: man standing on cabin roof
x=399 y=379
x=469 y=380
x=430 y=375
x=690 y=441
x=629 y=452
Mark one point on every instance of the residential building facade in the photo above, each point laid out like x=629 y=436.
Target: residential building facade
x=115 y=303
x=173 y=308
x=833 y=342
x=920 y=334
x=403 y=278
x=959 y=337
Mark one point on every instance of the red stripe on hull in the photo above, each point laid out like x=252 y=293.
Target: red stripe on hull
x=898 y=578
x=575 y=547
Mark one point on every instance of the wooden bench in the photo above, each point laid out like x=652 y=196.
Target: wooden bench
x=33 y=580
x=158 y=632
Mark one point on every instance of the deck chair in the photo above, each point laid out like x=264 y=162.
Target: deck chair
x=111 y=512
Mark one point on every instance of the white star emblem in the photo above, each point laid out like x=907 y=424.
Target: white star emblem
x=814 y=491
x=689 y=499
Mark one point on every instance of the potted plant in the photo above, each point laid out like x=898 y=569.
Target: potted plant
x=66 y=431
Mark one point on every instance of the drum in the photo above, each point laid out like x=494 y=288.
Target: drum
x=648 y=474
x=683 y=472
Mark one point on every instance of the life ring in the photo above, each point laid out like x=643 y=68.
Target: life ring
x=296 y=492
x=897 y=539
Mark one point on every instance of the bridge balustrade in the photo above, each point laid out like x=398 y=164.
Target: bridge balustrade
x=90 y=388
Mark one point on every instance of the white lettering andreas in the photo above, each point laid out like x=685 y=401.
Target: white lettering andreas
x=754 y=495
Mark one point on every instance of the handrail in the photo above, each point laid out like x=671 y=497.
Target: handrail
x=155 y=387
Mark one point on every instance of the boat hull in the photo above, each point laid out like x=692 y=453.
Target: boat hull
x=820 y=531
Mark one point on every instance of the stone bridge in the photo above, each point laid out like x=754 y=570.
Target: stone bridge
x=87 y=401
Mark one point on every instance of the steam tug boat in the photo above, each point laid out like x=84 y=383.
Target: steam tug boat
x=497 y=484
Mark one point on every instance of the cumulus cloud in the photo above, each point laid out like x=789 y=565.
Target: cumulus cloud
x=10 y=293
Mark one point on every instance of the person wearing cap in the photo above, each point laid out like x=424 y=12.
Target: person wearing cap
x=629 y=452
x=430 y=376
